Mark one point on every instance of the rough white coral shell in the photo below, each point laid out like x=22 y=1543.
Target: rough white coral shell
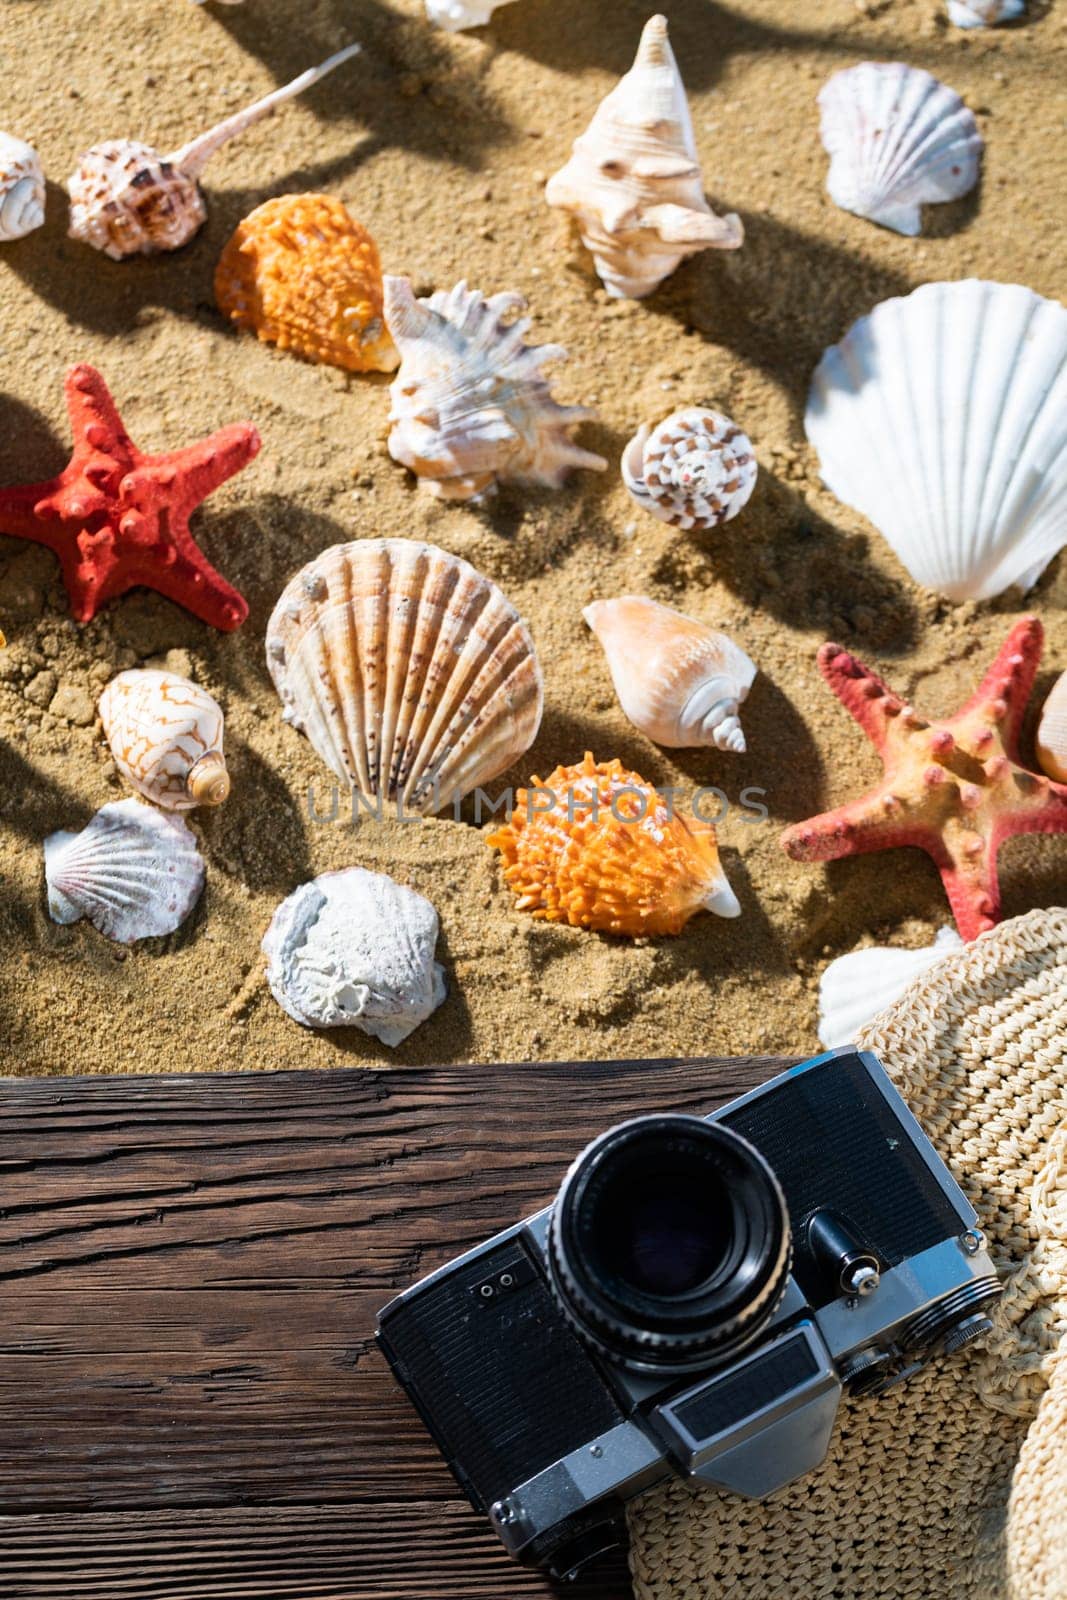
x=695 y=469
x=355 y=949
x=897 y=139
x=856 y=987
x=984 y=13
x=456 y=14
x=133 y=872
x=942 y=416
x=22 y=188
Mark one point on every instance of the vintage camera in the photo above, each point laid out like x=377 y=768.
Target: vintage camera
x=696 y=1300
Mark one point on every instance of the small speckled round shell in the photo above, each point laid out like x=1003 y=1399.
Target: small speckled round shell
x=166 y=737
x=304 y=275
x=22 y=188
x=695 y=470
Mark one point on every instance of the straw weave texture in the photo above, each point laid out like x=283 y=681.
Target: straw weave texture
x=953 y=1486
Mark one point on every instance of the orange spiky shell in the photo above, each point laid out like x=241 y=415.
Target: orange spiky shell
x=305 y=275
x=597 y=847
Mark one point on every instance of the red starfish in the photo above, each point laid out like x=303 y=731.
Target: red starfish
x=117 y=518
x=954 y=788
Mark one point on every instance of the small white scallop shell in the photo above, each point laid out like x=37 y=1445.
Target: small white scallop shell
x=678 y=681
x=166 y=735
x=633 y=183
x=984 y=13
x=855 y=988
x=456 y=14
x=355 y=949
x=134 y=873
x=412 y=675
x=22 y=188
x=942 y=416
x=1052 y=732
x=126 y=199
x=897 y=139
x=695 y=470
x=470 y=405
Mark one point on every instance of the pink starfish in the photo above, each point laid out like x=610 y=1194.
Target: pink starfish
x=117 y=518
x=954 y=788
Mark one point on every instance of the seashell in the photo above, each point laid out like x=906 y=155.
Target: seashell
x=355 y=949
x=695 y=470
x=634 y=182
x=897 y=139
x=942 y=416
x=1052 y=733
x=412 y=676
x=22 y=188
x=134 y=873
x=470 y=405
x=680 y=683
x=598 y=847
x=305 y=276
x=166 y=737
x=126 y=199
x=984 y=13
x=457 y=14
x=855 y=988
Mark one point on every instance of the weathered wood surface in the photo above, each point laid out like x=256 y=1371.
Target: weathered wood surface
x=190 y=1401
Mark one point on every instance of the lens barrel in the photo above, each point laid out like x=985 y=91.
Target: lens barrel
x=669 y=1243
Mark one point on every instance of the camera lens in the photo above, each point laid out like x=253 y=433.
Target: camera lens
x=669 y=1243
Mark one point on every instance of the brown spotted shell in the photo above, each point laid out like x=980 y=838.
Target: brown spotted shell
x=126 y=200
x=305 y=275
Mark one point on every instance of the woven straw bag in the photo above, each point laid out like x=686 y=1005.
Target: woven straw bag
x=953 y=1486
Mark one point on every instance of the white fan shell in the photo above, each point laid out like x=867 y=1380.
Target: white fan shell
x=856 y=988
x=133 y=872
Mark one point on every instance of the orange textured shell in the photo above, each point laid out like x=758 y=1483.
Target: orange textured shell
x=305 y=275
x=622 y=865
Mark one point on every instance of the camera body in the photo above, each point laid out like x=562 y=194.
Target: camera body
x=697 y=1300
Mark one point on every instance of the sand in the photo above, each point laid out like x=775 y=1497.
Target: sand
x=441 y=145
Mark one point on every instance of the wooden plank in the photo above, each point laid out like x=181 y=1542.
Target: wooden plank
x=189 y=1273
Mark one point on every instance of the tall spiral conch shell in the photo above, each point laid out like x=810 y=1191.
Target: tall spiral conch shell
x=855 y=988
x=898 y=139
x=355 y=949
x=470 y=405
x=1052 y=733
x=166 y=737
x=679 y=682
x=598 y=847
x=134 y=873
x=984 y=13
x=412 y=676
x=695 y=470
x=22 y=188
x=456 y=14
x=304 y=275
x=634 y=181
x=126 y=199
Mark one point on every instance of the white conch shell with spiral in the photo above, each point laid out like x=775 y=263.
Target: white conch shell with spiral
x=942 y=416
x=134 y=873
x=413 y=677
x=126 y=199
x=679 y=682
x=634 y=182
x=22 y=188
x=355 y=949
x=694 y=470
x=166 y=735
x=456 y=14
x=470 y=405
x=897 y=139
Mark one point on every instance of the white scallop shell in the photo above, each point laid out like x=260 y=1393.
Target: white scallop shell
x=166 y=735
x=457 y=14
x=22 y=188
x=694 y=470
x=679 y=682
x=897 y=139
x=355 y=949
x=634 y=184
x=984 y=13
x=470 y=404
x=1052 y=732
x=126 y=199
x=942 y=416
x=412 y=676
x=134 y=873
x=856 y=988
